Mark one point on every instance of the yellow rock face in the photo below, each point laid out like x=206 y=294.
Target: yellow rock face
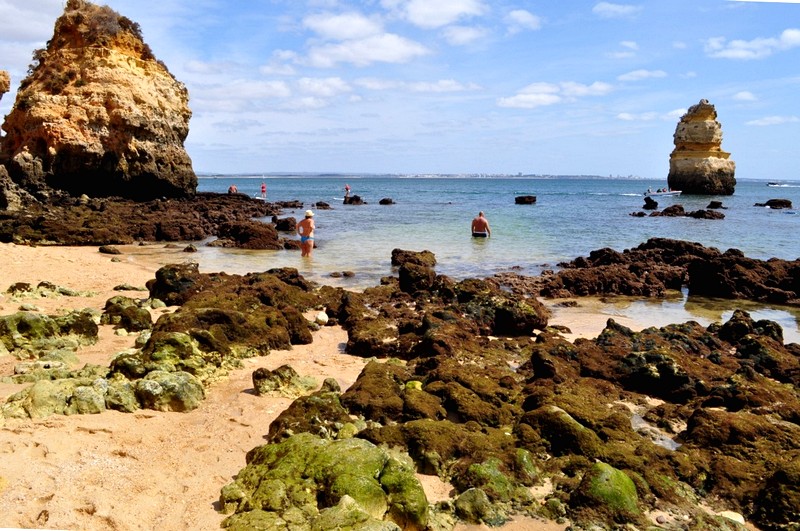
x=698 y=165
x=5 y=83
x=99 y=115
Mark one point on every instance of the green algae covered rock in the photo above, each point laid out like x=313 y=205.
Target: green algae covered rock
x=32 y=335
x=563 y=433
x=340 y=484
x=169 y=391
x=607 y=491
x=57 y=397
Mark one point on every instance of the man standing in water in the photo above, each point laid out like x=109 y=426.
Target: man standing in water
x=480 y=227
x=306 y=231
x=263 y=190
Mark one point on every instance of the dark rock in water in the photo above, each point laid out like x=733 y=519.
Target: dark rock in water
x=678 y=211
x=715 y=205
x=289 y=204
x=525 y=200
x=650 y=203
x=423 y=258
x=354 y=200
x=285 y=224
x=776 y=204
x=386 y=201
x=249 y=235
x=322 y=205
x=638 y=214
x=191 y=248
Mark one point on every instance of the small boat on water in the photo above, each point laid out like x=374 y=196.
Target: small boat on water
x=657 y=194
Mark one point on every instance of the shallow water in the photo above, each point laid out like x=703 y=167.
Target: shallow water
x=572 y=216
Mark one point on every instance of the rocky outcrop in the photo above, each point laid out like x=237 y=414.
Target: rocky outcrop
x=99 y=114
x=5 y=83
x=697 y=164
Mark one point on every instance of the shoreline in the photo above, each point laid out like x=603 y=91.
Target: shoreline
x=150 y=469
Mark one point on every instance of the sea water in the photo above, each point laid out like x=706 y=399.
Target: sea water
x=571 y=217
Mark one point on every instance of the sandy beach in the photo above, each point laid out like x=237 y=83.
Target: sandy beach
x=153 y=470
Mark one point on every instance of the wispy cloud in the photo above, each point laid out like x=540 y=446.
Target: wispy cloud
x=543 y=94
x=430 y=15
x=638 y=75
x=343 y=26
x=759 y=48
x=520 y=20
x=773 y=120
x=462 y=35
x=440 y=86
x=609 y=10
x=383 y=48
x=651 y=116
x=771 y=1
x=745 y=95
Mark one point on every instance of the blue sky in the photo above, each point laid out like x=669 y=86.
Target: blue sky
x=463 y=86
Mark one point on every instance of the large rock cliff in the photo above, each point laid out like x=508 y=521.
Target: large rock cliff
x=697 y=164
x=99 y=115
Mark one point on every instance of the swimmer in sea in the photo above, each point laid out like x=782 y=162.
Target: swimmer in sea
x=480 y=227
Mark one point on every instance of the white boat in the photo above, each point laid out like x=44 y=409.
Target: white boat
x=655 y=194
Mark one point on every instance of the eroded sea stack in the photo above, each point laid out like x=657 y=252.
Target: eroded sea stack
x=99 y=114
x=5 y=83
x=697 y=164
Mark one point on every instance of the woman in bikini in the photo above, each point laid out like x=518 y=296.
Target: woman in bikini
x=306 y=231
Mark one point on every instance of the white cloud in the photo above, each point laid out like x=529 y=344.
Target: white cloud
x=206 y=68
x=435 y=14
x=745 y=95
x=641 y=117
x=774 y=120
x=680 y=45
x=441 y=86
x=651 y=116
x=323 y=87
x=638 y=75
x=461 y=35
x=759 y=48
x=542 y=94
x=246 y=90
x=385 y=48
x=520 y=20
x=609 y=10
x=342 y=27
x=631 y=45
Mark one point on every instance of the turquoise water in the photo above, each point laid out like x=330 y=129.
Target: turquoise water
x=572 y=216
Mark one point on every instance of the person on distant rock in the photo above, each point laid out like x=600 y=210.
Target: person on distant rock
x=232 y=189
x=263 y=190
x=346 y=190
x=480 y=226
x=306 y=231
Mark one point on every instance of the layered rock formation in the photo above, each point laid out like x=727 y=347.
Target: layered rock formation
x=5 y=83
x=99 y=115
x=697 y=164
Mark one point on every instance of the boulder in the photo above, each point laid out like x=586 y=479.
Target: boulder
x=650 y=204
x=99 y=114
x=423 y=258
x=285 y=224
x=697 y=164
x=354 y=200
x=525 y=200
x=386 y=201
x=776 y=204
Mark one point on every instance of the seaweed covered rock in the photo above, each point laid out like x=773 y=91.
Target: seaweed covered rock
x=28 y=334
x=324 y=484
x=99 y=114
x=126 y=314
